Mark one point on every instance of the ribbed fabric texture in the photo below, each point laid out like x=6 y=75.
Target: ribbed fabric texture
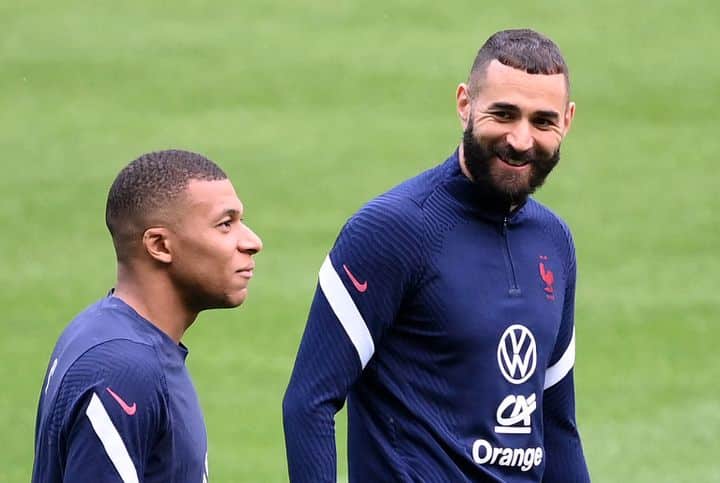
x=467 y=305
x=119 y=404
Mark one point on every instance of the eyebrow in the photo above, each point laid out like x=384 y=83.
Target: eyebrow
x=231 y=212
x=548 y=114
x=506 y=106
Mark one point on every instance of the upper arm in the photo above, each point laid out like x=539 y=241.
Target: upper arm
x=111 y=403
x=565 y=459
x=562 y=359
x=361 y=284
x=376 y=260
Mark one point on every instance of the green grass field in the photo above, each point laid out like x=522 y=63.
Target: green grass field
x=315 y=107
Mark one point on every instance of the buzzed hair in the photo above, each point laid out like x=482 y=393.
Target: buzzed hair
x=146 y=188
x=522 y=49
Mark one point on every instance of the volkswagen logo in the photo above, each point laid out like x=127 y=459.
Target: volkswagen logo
x=517 y=354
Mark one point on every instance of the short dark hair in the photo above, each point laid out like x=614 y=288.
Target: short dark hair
x=146 y=187
x=522 y=49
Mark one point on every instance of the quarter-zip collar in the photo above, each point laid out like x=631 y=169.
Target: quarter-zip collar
x=467 y=193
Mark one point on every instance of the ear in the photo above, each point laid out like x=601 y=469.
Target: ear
x=157 y=244
x=569 y=116
x=462 y=96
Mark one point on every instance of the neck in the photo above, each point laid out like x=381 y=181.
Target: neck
x=155 y=299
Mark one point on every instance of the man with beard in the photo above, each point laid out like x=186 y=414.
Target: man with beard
x=444 y=312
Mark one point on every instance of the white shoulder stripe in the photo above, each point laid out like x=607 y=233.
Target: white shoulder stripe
x=346 y=311
x=560 y=369
x=111 y=440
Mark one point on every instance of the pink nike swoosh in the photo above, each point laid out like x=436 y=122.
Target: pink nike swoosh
x=361 y=287
x=129 y=410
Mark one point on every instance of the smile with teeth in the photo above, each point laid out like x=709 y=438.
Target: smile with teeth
x=514 y=162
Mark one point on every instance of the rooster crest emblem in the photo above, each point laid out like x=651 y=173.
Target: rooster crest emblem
x=548 y=278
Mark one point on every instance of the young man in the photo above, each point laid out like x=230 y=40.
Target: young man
x=444 y=312
x=118 y=404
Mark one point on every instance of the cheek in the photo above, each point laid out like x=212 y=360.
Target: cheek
x=487 y=129
x=548 y=141
x=226 y=254
x=209 y=254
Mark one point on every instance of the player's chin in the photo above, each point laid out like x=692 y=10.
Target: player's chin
x=512 y=184
x=236 y=297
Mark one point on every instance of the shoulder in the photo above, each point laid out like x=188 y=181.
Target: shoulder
x=115 y=388
x=106 y=338
x=388 y=233
x=121 y=356
x=119 y=363
x=104 y=321
x=118 y=371
x=389 y=210
x=554 y=226
x=420 y=188
x=388 y=226
x=402 y=205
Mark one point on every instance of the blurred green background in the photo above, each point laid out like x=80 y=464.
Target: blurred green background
x=313 y=107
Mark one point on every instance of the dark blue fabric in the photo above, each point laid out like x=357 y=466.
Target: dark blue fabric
x=450 y=279
x=110 y=352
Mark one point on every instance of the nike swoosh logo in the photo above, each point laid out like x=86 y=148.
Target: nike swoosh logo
x=129 y=410
x=361 y=287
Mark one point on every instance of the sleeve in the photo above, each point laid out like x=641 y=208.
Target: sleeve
x=112 y=410
x=362 y=283
x=565 y=460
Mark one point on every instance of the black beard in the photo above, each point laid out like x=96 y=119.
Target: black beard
x=478 y=158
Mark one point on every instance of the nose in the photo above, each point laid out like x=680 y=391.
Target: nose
x=249 y=242
x=520 y=137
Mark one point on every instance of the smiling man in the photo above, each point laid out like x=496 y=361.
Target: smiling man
x=444 y=312
x=117 y=403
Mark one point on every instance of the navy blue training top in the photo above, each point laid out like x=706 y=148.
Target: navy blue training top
x=447 y=324
x=118 y=405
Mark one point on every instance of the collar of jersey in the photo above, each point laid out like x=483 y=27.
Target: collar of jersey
x=116 y=303
x=467 y=194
